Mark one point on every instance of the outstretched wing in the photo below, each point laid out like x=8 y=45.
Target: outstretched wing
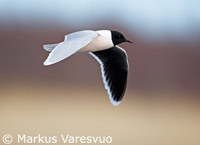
x=72 y=43
x=114 y=69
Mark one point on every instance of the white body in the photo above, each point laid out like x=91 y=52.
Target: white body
x=101 y=42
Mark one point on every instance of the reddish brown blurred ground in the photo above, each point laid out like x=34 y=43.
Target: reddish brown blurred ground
x=170 y=65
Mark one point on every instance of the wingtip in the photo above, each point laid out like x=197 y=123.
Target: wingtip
x=115 y=103
x=46 y=63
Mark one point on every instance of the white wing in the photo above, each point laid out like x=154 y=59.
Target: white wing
x=72 y=43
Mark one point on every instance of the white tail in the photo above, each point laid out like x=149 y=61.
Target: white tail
x=50 y=47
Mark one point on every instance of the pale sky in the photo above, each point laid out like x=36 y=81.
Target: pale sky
x=149 y=18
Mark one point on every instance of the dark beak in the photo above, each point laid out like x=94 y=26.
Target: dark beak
x=128 y=41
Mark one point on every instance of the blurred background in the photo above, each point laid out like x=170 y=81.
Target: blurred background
x=161 y=104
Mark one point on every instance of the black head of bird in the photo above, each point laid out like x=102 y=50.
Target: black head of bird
x=118 y=38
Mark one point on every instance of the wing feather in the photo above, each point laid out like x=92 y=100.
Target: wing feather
x=114 y=68
x=72 y=43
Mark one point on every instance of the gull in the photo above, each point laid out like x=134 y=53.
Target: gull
x=103 y=46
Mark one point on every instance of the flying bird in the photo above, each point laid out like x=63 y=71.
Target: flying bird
x=103 y=46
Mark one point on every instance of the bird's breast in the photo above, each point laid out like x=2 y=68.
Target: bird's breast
x=97 y=44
